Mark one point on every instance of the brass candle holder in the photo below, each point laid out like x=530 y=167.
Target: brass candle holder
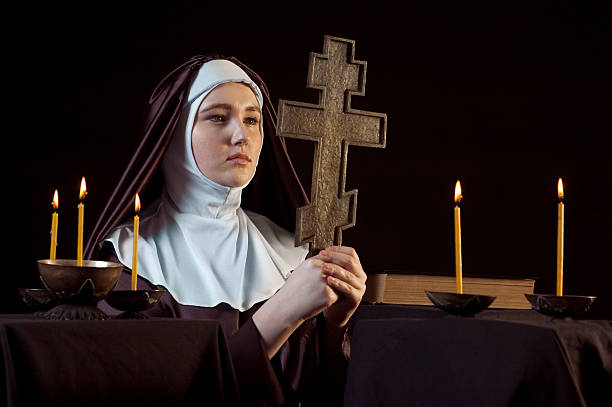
x=460 y=304
x=38 y=299
x=561 y=306
x=77 y=289
x=133 y=302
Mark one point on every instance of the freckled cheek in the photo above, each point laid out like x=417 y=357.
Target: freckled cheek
x=207 y=155
x=200 y=149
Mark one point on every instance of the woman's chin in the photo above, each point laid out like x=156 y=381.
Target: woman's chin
x=237 y=181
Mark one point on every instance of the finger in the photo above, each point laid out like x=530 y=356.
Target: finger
x=332 y=295
x=343 y=275
x=342 y=288
x=316 y=261
x=345 y=261
x=344 y=249
x=319 y=257
x=341 y=259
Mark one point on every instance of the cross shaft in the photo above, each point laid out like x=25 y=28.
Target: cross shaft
x=333 y=125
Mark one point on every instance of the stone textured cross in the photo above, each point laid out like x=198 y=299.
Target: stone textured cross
x=334 y=125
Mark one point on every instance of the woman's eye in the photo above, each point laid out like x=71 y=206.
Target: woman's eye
x=251 y=120
x=216 y=118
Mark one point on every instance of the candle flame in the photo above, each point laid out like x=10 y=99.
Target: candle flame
x=458 y=195
x=83 y=190
x=560 y=188
x=137 y=203
x=55 y=202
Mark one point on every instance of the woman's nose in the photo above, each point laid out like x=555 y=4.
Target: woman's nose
x=239 y=135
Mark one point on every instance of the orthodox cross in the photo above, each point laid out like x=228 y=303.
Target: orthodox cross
x=333 y=125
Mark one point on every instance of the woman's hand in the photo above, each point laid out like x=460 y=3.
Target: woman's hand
x=346 y=276
x=305 y=294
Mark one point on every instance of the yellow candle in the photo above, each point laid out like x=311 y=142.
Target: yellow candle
x=560 y=227
x=135 y=251
x=458 y=266
x=54 y=227
x=82 y=193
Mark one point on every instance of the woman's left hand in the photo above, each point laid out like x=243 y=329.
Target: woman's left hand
x=345 y=275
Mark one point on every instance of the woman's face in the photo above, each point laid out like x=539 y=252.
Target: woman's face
x=226 y=136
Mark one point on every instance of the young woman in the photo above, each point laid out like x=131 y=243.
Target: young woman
x=227 y=255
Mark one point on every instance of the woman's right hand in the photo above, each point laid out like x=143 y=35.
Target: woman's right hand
x=304 y=295
x=306 y=292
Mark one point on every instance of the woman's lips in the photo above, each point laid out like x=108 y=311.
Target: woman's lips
x=239 y=158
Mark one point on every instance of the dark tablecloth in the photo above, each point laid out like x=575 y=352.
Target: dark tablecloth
x=150 y=362
x=421 y=356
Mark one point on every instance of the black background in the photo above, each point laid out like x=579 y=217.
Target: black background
x=505 y=98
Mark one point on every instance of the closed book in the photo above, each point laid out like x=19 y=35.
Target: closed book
x=409 y=288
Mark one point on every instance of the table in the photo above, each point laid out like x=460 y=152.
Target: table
x=399 y=356
x=159 y=361
x=422 y=356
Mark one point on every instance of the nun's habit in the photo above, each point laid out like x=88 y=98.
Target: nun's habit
x=219 y=252
x=196 y=240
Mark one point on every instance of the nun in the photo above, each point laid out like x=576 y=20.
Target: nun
x=217 y=235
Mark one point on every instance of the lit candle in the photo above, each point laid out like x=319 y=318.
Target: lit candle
x=55 y=204
x=459 y=277
x=560 y=227
x=135 y=251
x=82 y=193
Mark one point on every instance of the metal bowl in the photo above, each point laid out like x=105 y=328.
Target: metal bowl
x=64 y=278
x=560 y=306
x=460 y=304
x=38 y=299
x=132 y=302
x=77 y=289
x=136 y=300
